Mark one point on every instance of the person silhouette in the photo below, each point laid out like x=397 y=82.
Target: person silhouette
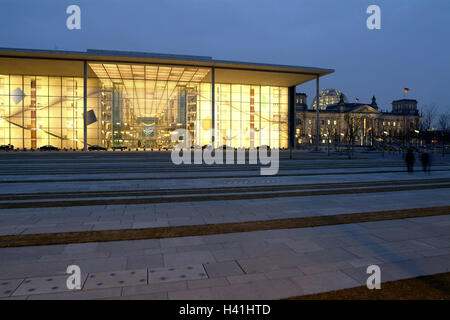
x=410 y=161
x=426 y=162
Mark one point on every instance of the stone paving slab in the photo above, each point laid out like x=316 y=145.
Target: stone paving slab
x=393 y=257
x=181 y=241
x=70 y=257
x=435 y=252
x=283 y=273
x=256 y=250
x=392 y=248
x=207 y=283
x=155 y=288
x=199 y=247
x=145 y=261
x=324 y=267
x=194 y=294
x=223 y=269
x=302 y=246
x=125 y=246
x=246 y=278
x=18 y=269
x=258 y=265
x=8 y=286
x=101 y=264
x=186 y=258
x=325 y=281
x=169 y=274
x=111 y=293
x=42 y=285
x=228 y=254
x=330 y=255
x=116 y=279
x=150 y=296
x=261 y=290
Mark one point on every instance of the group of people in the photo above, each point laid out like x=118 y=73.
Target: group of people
x=424 y=158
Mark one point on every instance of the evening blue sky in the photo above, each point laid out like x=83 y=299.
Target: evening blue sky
x=411 y=49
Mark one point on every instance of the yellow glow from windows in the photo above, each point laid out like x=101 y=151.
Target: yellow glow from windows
x=250 y=116
x=140 y=106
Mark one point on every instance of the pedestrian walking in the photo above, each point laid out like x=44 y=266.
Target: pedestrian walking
x=426 y=162
x=410 y=161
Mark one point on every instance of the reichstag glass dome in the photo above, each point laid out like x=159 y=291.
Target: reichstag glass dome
x=327 y=97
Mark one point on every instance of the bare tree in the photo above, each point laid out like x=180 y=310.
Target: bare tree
x=444 y=122
x=352 y=127
x=429 y=113
x=444 y=127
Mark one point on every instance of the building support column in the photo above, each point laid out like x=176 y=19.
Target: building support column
x=213 y=106
x=291 y=119
x=33 y=115
x=85 y=106
x=317 y=114
x=252 y=118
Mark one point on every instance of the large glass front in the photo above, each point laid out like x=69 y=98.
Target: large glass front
x=41 y=110
x=249 y=116
x=134 y=106
x=140 y=106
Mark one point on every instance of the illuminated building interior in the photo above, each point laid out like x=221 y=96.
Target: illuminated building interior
x=41 y=110
x=141 y=105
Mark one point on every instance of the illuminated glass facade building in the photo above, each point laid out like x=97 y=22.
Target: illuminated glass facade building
x=138 y=100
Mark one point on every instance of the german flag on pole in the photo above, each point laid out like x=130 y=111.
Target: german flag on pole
x=406 y=90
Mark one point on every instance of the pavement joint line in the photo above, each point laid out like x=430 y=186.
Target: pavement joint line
x=243 y=196
x=237 y=262
x=40 y=239
x=204 y=177
x=156 y=192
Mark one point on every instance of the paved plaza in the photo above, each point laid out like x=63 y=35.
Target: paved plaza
x=95 y=192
